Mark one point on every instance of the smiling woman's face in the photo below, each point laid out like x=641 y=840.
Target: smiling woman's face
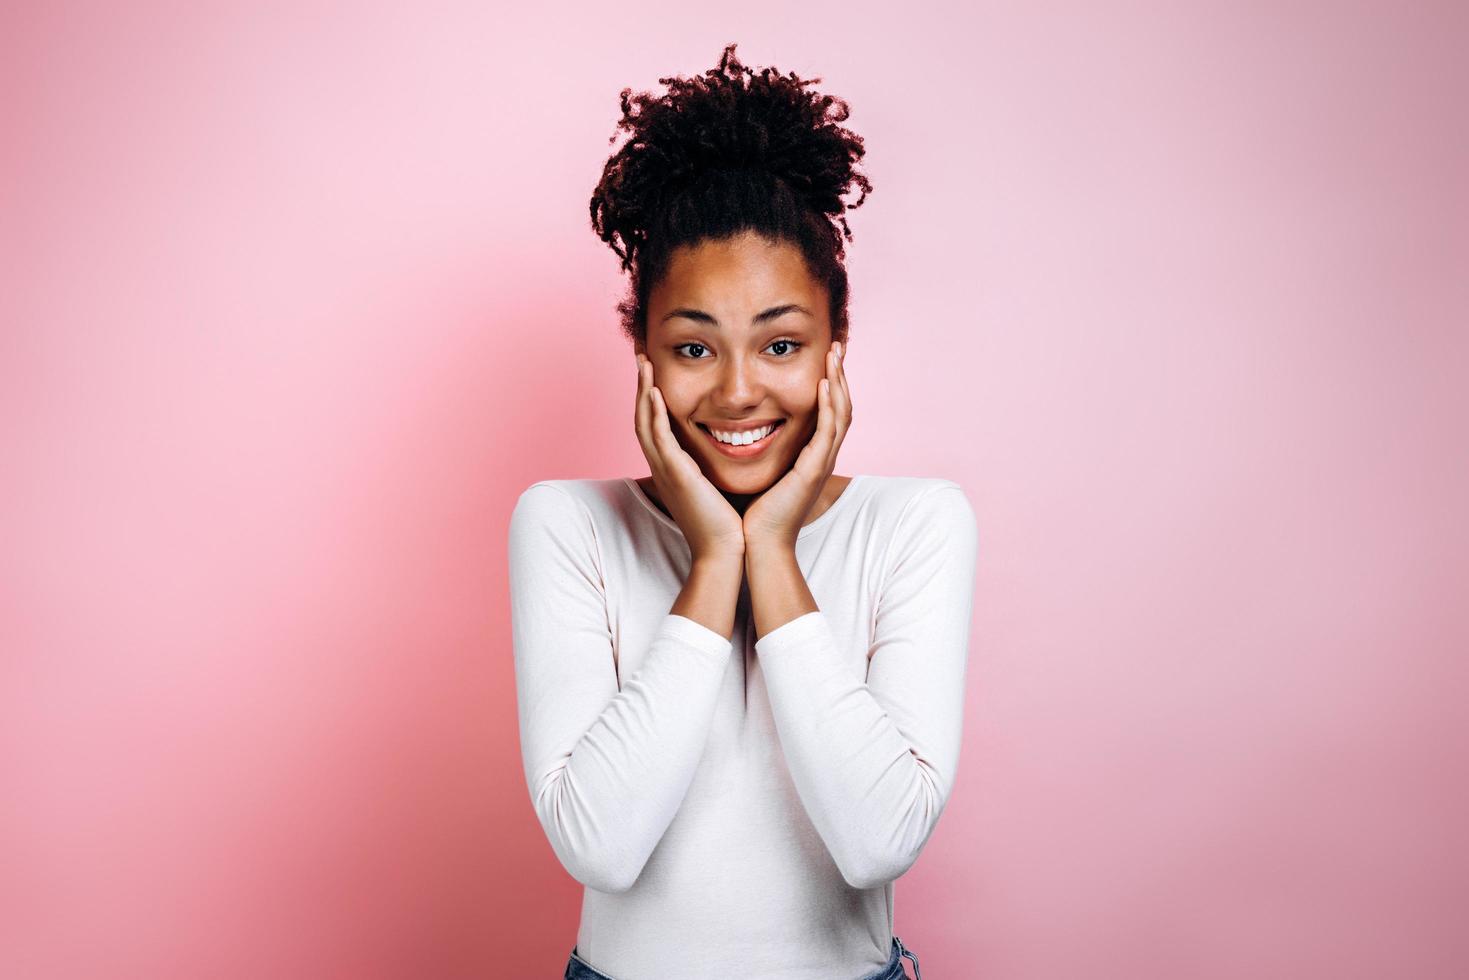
x=738 y=332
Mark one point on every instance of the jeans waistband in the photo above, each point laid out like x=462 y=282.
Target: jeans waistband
x=579 y=969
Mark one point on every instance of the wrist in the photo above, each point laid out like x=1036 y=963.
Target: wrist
x=768 y=549
x=718 y=561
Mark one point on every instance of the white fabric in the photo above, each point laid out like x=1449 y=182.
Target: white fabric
x=740 y=808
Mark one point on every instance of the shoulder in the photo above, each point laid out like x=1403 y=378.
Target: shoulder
x=932 y=536
x=562 y=525
x=546 y=498
x=604 y=508
x=560 y=502
x=923 y=513
x=585 y=493
x=901 y=496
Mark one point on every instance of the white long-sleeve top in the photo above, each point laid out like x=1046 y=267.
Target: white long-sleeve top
x=738 y=807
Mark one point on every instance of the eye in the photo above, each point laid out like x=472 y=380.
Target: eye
x=790 y=347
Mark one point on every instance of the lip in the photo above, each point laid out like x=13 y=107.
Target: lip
x=744 y=426
x=744 y=452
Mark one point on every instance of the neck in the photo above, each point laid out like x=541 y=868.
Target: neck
x=741 y=501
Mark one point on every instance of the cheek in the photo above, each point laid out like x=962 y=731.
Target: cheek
x=677 y=397
x=805 y=406
x=800 y=397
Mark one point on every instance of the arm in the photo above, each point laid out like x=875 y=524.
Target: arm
x=873 y=759
x=607 y=769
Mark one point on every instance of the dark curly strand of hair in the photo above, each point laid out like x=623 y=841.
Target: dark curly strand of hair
x=729 y=151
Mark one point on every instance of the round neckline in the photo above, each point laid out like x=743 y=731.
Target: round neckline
x=637 y=491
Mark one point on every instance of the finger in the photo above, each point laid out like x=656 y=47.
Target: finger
x=644 y=416
x=846 y=392
x=843 y=418
x=834 y=391
x=639 y=412
x=819 y=448
x=841 y=398
x=824 y=442
x=668 y=447
x=814 y=448
x=637 y=405
x=831 y=417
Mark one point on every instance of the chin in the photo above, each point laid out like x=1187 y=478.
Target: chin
x=747 y=480
x=747 y=485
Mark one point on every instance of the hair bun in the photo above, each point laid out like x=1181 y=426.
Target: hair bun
x=729 y=119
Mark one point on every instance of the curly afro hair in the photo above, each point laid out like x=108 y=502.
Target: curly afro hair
x=729 y=151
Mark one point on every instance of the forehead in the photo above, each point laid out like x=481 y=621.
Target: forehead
x=747 y=271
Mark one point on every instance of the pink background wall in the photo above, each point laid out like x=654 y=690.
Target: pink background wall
x=298 y=297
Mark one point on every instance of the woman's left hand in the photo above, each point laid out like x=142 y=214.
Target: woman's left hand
x=776 y=516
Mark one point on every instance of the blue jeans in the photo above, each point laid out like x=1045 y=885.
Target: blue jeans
x=579 y=969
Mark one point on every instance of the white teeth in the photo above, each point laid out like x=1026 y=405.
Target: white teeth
x=743 y=438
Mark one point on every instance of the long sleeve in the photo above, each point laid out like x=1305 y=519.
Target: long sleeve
x=873 y=760
x=607 y=769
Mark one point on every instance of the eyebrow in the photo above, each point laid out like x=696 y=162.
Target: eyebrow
x=765 y=316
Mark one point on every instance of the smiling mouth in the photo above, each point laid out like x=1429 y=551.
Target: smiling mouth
x=742 y=451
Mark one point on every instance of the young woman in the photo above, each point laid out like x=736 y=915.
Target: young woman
x=740 y=679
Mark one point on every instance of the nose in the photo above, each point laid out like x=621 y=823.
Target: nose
x=738 y=388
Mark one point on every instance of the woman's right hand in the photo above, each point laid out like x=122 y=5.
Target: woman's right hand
x=710 y=524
